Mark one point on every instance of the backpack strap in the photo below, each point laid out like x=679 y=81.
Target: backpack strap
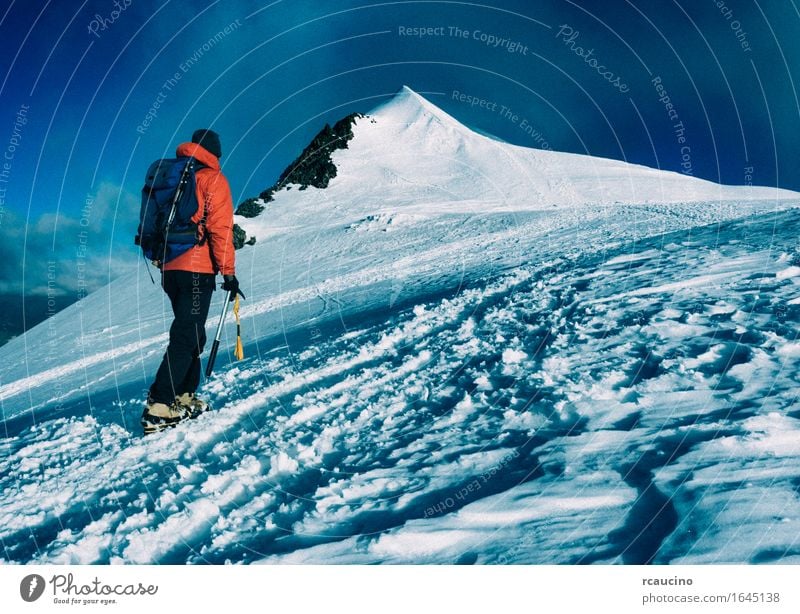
x=201 y=224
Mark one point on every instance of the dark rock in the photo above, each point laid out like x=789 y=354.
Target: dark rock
x=249 y=208
x=313 y=167
x=266 y=195
x=239 y=235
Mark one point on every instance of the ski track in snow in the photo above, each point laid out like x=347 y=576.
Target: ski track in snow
x=632 y=406
x=510 y=357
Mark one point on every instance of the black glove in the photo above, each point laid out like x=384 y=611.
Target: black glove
x=231 y=284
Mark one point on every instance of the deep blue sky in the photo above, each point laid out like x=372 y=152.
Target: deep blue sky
x=286 y=67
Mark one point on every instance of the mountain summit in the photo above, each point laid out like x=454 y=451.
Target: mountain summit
x=408 y=153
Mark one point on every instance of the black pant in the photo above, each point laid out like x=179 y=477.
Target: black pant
x=190 y=295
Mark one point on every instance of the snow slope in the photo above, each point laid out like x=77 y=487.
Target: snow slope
x=460 y=351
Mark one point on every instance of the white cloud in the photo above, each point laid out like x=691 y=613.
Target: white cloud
x=67 y=254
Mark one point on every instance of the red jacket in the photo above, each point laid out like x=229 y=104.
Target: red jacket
x=216 y=254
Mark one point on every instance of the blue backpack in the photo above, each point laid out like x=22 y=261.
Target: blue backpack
x=169 y=200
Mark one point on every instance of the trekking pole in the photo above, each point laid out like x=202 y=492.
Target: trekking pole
x=213 y=355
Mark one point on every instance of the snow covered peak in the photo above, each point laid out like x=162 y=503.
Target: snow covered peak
x=410 y=155
x=407 y=96
x=410 y=151
x=408 y=107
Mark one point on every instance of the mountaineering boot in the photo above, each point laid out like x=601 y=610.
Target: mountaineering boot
x=159 y=416
x=193 y=404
